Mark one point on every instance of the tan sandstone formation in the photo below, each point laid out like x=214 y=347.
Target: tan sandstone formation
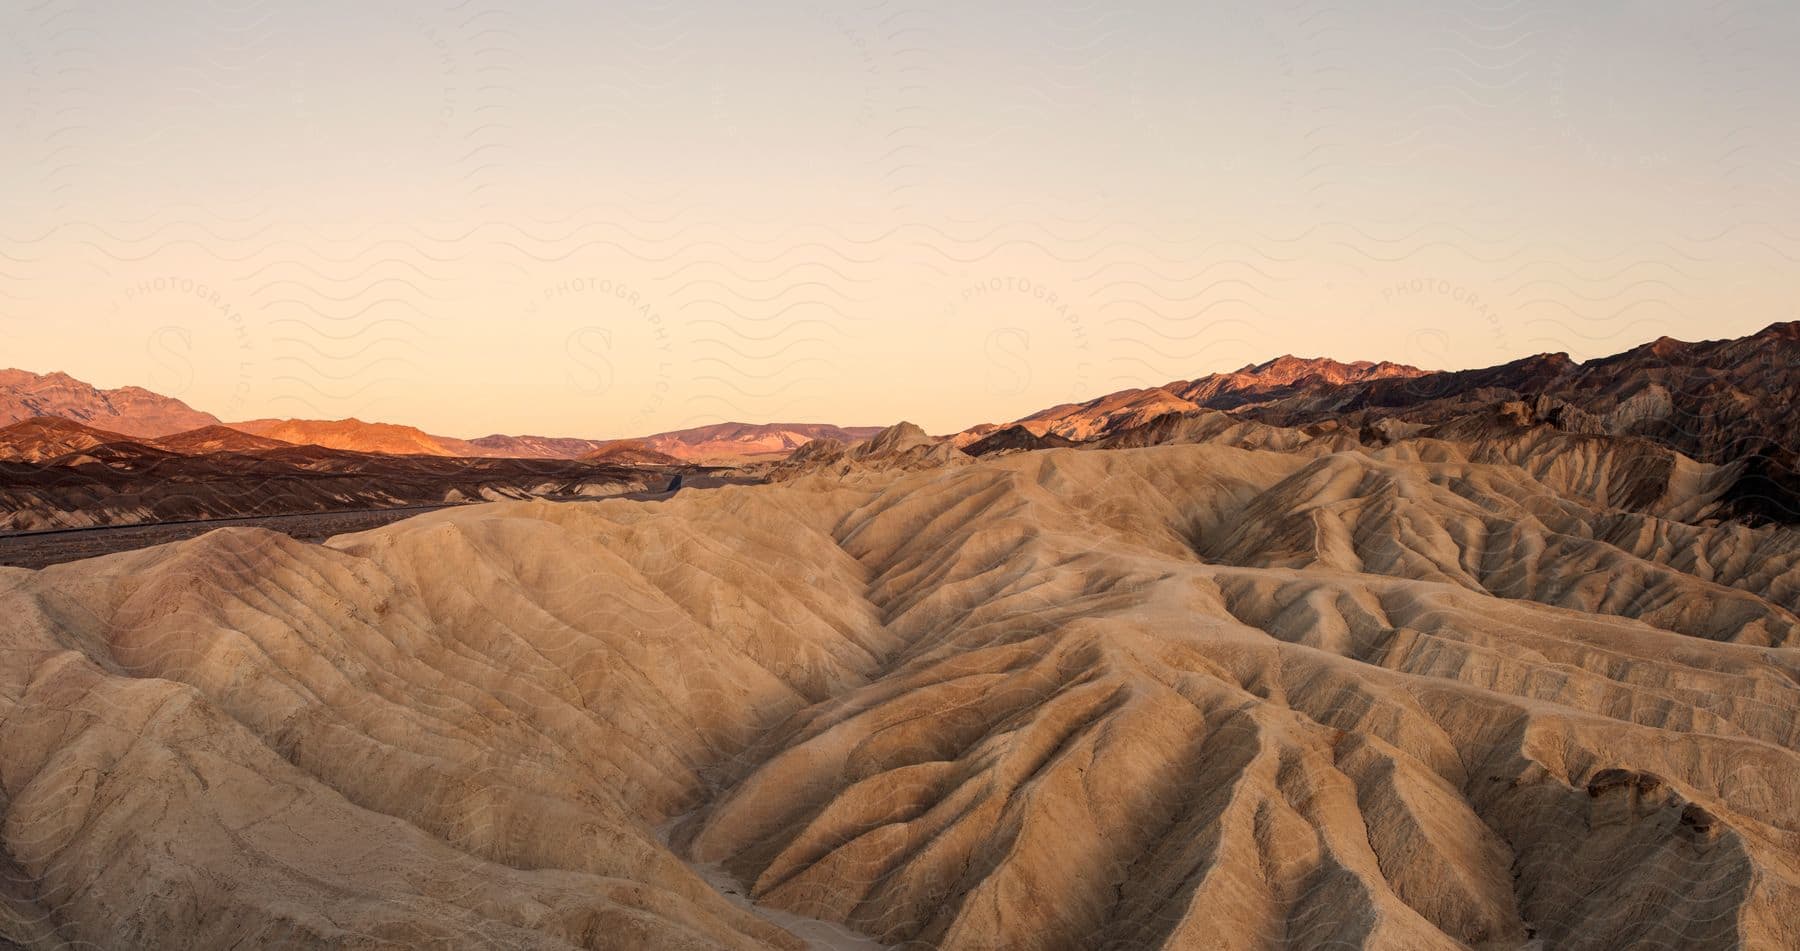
x=1440 y=694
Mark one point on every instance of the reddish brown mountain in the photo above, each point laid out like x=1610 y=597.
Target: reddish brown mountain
x=355 y=435
x=46 y=439
x=1715 y=400
x=1015 y=438
x=1285 y=375
x=1724 y=402
x=1104 y=414
x=209 y=439
x=1278 y=378
x=536 y=447
x=129 y=410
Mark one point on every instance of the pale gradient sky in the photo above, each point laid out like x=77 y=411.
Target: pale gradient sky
x=491 y=215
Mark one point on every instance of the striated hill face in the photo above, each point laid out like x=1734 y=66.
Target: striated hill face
x=1723 y=398
x=210 y=439
x=44 y=439
x=1015 y=438
x=1082 y=421
x=733 y=443
x=1281 y=377
x=900 y=447
x=1443 y=694
x=1284 y=375
x=130 y=411
x=1715 y=400
x=535 y=447
x=1725 y=402
x=47 y=437
x=631 y=453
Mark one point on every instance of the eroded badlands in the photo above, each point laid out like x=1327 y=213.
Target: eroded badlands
x=1182 y=696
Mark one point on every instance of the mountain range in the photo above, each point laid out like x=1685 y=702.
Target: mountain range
x=1724 y=403
x=58 y=474
x=1715 y=399
x=137 y=412
x=1718 y=402
x=1255 y=383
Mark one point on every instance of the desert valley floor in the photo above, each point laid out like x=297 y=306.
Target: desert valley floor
x=1181 y=696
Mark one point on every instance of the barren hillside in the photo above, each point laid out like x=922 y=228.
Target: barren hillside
x=1181 y=696
x=130 y=410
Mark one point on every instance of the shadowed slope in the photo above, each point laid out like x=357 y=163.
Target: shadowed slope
x=1098 y=740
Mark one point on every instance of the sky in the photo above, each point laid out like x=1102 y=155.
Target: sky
x=612 y=219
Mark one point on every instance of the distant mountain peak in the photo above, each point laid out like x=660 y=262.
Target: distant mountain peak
x=128 y=410
x=1781 y=330
x=1288 y=368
